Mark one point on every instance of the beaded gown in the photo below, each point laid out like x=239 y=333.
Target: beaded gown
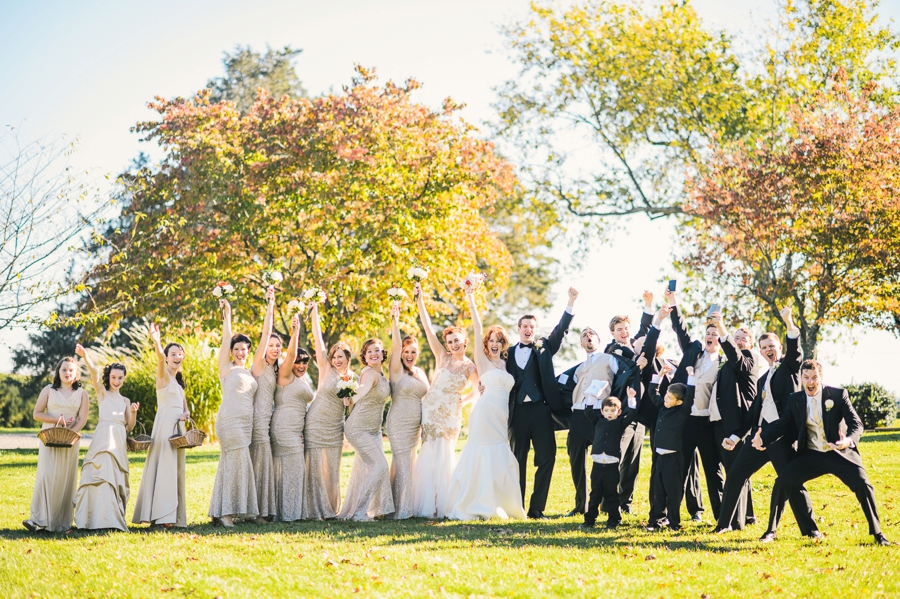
x=57 y=471
x=287 y=448
x=404 y=421
x=103 y=492
x=369 y=490
x=441 y=419
x=234 y=492
x=161 y=497
x=261 y=443
x=323 y=437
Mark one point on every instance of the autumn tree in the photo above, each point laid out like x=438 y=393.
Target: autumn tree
x=247 y=71
x=345 y=191
x=809 y=217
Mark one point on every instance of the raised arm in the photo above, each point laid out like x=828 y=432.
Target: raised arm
x=92 y=370
x=395 y=366
x=162 y=377
x=793 y=357
x=227 y=334
x=646 y=315
x=437 y=348
x=481 y=361
x=555 y=339
x=678 y=325
x=286 y=370
x=737 y=359
x=319 y=343
x=259 y=359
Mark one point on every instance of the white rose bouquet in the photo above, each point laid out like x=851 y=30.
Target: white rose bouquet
x=270 y=277
x=396 y=294
x=314 y=294
x=296 y=306
x=417 y=274
x=222 y=289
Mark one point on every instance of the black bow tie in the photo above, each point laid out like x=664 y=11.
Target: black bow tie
x=526 y=345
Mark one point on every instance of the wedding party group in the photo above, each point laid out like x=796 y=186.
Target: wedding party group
x=725 y=408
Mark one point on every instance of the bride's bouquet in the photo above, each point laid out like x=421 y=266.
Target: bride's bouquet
x=314 y=294
x=396 y=294
x=296 y=306
x=222 y=289
x=270 y=277
x=473 y=281
x=417 y=274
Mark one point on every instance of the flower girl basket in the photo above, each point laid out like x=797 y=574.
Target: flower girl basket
x=191 y=438
x=140 y=442
x=59 y=435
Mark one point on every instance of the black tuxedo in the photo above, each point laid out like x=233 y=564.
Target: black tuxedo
x=809 y=464
x=735 y=391
x=581 y=434
x=668 y=479
x=699 y=433
x=605 y=477
x=531 y=422
x=785 y=376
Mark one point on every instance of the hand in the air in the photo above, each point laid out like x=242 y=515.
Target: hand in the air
x=135 y=407
x=669 y=296
x=79 y=350
x=666 y=369
x=270 y=295
x=641 y=362
x=648 y=297
x=295 y=323
x=573 y=294
x=154 y=332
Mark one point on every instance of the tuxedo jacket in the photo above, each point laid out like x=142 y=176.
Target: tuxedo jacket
x=544 y=356
x=735 y=388
x=670 y=422
x=565 y=382
x=608 y=433
x=785 y=380
x=841 y=417
x=690 y=350
x=646 y=323
x=647 y=412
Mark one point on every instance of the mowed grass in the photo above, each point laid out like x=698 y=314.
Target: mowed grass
x=418 y=558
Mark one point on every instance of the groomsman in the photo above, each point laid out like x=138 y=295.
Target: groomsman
x=773 y=391
x=730 y=402
x=533 y=399
x=827 y=430
x=597 y=366
x=699 y=434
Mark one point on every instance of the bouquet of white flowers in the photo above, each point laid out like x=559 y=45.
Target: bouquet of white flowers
x=472 y=281
x=314 y=294
x=296 y=306
x=222 y=289
x=270 y=277
x=396 y=294
x=347 y=386
x=417 y=274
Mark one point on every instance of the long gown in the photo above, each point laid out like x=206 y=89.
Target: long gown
x=369 y=490
x=485 y=483
x=234 y=492
x=404 y=421
x=323 y=437
x=103 y=492
x=441 y=418
x=261 y=444
x=161 y=498
x=57 y=471
x=287 y=449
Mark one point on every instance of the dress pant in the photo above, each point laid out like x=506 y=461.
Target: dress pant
x=605 y=490
x=812 y=464
x=630 y=464
x=668 y=489
x=745 y=498
x=693 y=492
x=532 y=424
x=746 y=464
x=578 y=442
x=699 y=434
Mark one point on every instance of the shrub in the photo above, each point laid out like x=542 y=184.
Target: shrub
x=874 y=404
x=16 y=403
x=201 y=376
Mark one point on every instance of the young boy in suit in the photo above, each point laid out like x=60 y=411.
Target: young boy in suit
x=674 y=405
x=609 y=426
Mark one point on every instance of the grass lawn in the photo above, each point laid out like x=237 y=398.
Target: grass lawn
x=417 y=558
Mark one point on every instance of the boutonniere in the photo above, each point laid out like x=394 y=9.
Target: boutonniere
x=829 y=404
x=618 y=352
x=539 y=344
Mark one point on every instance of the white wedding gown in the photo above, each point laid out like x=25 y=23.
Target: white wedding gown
x=485 y=483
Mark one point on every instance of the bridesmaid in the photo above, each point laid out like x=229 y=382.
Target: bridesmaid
x=234 y=492
x=323 y=432
x=52 y=504
x=265 y=371
x=161 y=498
x=369 y=490
x=291 y=397
x=103 y=492
x=409 y=383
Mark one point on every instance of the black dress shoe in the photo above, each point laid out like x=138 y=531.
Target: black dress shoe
x=626 y=509
x=535 y=515
x=587 y=525
x=880 y=539
x=768 y=537
x=612 y=525
x=721 y=529
x=575 y=512
x=698 y=517
x=815 y=536
x=751 y=521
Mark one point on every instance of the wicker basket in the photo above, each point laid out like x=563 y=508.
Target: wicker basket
x=140 y=442
x=59 y=435
x=191 y=438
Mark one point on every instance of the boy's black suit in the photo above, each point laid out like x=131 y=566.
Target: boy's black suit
x=668 y=486
x=605 y=477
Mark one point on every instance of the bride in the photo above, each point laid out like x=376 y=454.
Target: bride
x=485 y=483
x=441 y=416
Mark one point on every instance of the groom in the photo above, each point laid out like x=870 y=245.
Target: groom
x=532 y=401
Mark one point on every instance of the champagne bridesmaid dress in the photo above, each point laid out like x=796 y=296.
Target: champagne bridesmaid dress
x=103 y=492
x=261 y=443
x=323 y=436
x=404 y=421
x=161 y=498
x=52 y=506
x=234 y=492
x=369 y=490
x=287 y=449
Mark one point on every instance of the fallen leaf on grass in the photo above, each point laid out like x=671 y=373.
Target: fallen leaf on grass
x=649 y=557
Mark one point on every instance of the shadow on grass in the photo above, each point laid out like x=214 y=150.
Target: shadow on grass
x=876 y=437
x=134 y=458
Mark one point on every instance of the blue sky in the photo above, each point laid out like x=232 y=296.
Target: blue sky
x=88 y=68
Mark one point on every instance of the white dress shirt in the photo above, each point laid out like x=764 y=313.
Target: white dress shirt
x=705 y=372
x=524 y=353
